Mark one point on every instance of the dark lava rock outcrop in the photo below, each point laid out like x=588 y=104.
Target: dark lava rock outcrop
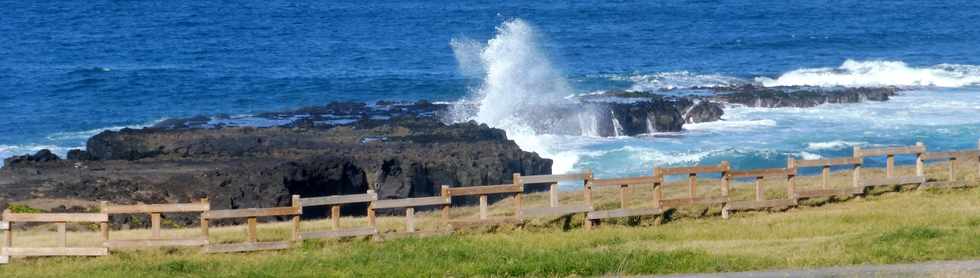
x=398 y=155
x=756 y=96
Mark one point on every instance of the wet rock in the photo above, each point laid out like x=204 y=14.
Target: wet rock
x=703 y=111
x=44 y=155
x=756 y=96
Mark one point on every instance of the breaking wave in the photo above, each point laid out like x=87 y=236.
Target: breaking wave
x=832 y=145
x=520 y=92
x=878 y=73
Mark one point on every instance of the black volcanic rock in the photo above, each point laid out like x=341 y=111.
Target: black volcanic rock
x=703 y=111
x=756 y=96
x=44 y=155
x=242 y=167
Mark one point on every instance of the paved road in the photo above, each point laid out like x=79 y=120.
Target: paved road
x=931 y=269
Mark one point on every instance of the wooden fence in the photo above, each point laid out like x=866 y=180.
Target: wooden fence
x=252 y=214
x=483 y=192
x=760 y=201
x=335 y=202
x=693 y=197
x=7 y=238
x=655 y=205
x=409 y=204
x=61 y=221
x=826 y=190
x=155 y=211
x=554 y=208
x=624 y=210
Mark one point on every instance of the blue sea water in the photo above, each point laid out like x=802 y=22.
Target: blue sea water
x=70 y=69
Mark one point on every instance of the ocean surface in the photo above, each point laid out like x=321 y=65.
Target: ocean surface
x=71 y=69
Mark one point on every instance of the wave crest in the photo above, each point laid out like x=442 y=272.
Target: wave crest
x=878 y=73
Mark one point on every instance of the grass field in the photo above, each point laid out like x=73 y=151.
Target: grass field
x=885 y=227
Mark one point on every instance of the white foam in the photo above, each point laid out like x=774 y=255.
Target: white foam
x=731 y=125
x=809 y=156
x=832 y=145
x=85 y=134
x=675 y=80
x=877 y=73
x=520 y=87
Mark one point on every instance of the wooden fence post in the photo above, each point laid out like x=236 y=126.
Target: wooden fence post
x=857 y=167
x=155 y=225
x=759 y=192
x=252 y=231
x=952 y=169
x=410 y=219
x=370 y=211
x=8 y=237
x=519 y=197
x=444 y=191
x=205 y=229
x=825 y=176
x=104 y=226
x=622 y=195
x=658 y=190
x=62 y=234
x=920 y=163
x=483 y=207
x=791 y=179
x=298 y=205
x=725 y=182
x=553 y=194
x=587 y=191
x=890 y=165
x=692 y=185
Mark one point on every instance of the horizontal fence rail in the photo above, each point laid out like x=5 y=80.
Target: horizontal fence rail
x=252 y=214
x=155 y=211
x=693 y=198
x=656 y=205
x=554 y=208
x=335 y=202
x=760 y=201
x=61 y=221
x=595 y=217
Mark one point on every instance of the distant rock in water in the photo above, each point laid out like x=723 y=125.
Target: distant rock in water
x=756 y=96
x=647 y=112
x=703 y=111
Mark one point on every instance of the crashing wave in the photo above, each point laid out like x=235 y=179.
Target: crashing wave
x=877 y=73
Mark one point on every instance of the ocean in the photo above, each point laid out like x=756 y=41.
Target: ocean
x=71 y=69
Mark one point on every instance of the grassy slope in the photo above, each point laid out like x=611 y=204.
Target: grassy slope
x=887 y=228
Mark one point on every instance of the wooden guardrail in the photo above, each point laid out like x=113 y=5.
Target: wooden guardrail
x=483 y=192
x=951 y=157
x=252 y=214
x=409 y=204
x=623 y=184
x=7 y=239
x=60 y=220
x=760 y=201
x=693 y=197
x=554 y=208
x=825 y=189
x=890 y=179
x=155 y=211
x=657 y=205
x=335 y=202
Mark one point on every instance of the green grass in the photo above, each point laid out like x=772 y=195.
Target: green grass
x=893 y=227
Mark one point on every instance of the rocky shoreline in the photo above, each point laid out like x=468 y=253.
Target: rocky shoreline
x=398 y=149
